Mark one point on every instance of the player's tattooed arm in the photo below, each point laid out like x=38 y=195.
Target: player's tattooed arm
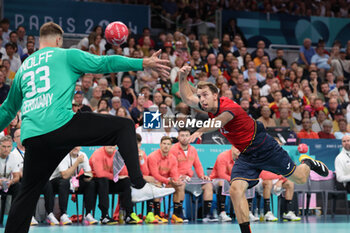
x=217 y=123
x=187 y=92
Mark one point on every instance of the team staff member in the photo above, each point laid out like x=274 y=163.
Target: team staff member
x=187 y=157
x=43 y=89
x=9 y=169
x=18 y=153
x=259 y=151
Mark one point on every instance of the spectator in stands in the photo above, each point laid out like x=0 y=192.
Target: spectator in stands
x=14 y=41
x=101 y=163
x=78 y=103
x=279 y=56
x=102 y=105
x=127 y=91
x=95 y=47
x=4 y=88
x=215 y=48
x=305 y=53
x=9 y=169
x=163 y=167
x=146 y=33
x=146 y=46
x=6 y=69
x=287 y=88
x=30 y=50
x=260 y=45
x=5 y=25
x=263 y=71
x=15 y=61
x=146 y=92
x=106 y=93
x=99 y=31
x=187 y=157
x=265 y=117
x=259 y=55
x=320 y=59
x=324 y=95
x=157 y=99
x=341 y=163
x=333 y=106
x=21 y=34
x=116 y=104
x=86 y=85
x=117 y=92
x=137 y=112
x=307 y=132
x=96 y=96
x=330 y=80
x=342 y=129
x=211 y=61
x=130 y=47
x=67 y=177
x=343 y=97
x=271 y=182
x=317 y=121
x=214 y=74
x=341 y=66
x=327 y=126
x=284 y=116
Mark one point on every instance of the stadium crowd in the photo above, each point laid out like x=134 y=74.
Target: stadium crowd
x=309 y=95
x=333 y=8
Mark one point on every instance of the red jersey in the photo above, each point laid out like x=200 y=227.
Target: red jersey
x=241 y=129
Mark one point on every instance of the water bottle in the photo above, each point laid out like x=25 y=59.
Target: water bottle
x=121 y=216
x=261 y=215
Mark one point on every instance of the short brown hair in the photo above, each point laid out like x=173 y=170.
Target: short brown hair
x=165 y=138
x=212 y=87
x=51 y=29
x=6 y=138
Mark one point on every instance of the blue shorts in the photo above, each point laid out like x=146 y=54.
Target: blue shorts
x=264 y=153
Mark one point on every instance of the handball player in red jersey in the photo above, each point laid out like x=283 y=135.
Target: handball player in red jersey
x=259 y=151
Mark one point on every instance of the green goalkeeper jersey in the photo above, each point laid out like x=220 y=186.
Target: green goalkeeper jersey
x=44 y=86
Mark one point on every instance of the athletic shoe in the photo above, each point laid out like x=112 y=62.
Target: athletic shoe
x=269 y=217
x=108 y=221
x=209 y=218
x=315 y=165
x=290 y=216
x=150 y=219
x=133 y=219
x=89 y=220
x=161 y=220
x=150 y=191
x=175 y=219
x=224 y=218
x=252 y=218
x=52 y=220
x=64 y=220
x=34 y=222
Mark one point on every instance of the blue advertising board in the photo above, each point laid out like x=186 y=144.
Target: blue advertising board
x=73 y=16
